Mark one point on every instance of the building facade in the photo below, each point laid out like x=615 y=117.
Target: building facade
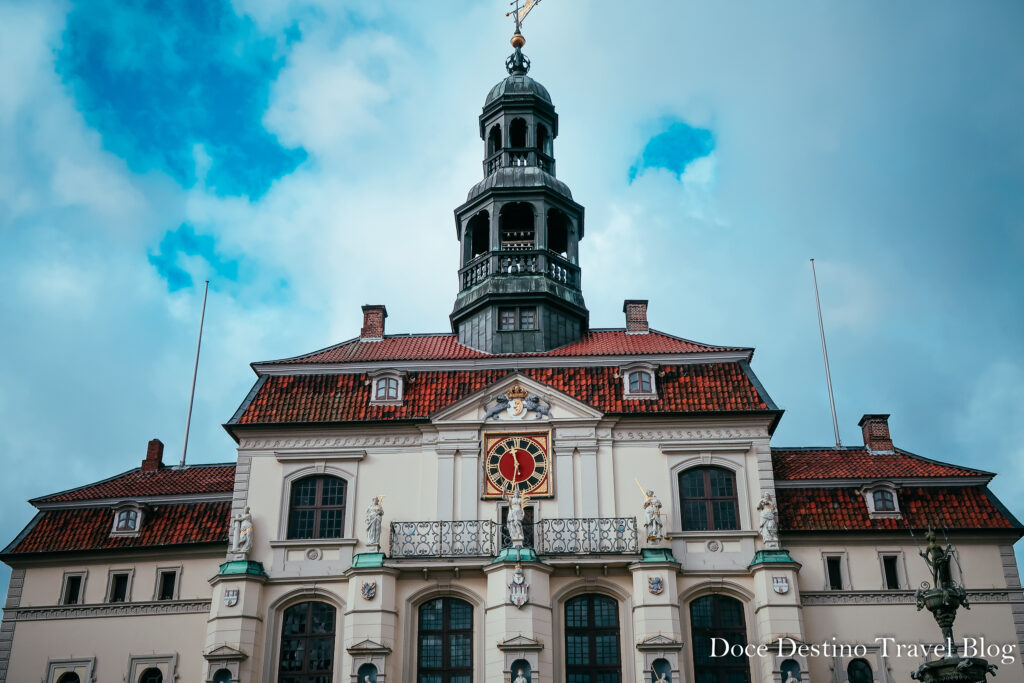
x=523 y=499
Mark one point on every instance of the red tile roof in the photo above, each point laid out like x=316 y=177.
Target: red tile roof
x=844 y=509
x=709 y=387
x=167 y=481
x=88 y=529
x=858 y=463
x=447 y=347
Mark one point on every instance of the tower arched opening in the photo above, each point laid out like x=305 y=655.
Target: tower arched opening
x=478 y=234
x=517 y=133
x=494 y=139
x=558 y=232
x=543 y=140
x=516 y=226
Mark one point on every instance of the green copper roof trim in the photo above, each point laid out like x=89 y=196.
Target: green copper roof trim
x=242 y=567
x=657 y=555
x=368 y=560
x=780 y=556
x=514 y=555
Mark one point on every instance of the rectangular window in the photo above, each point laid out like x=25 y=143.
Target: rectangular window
x=514 y=318
x=507 y=319
x=117 y=589
x=527 y=319
x=891 y=570
x=71 y=594
x=834 y=566
x=167 y=582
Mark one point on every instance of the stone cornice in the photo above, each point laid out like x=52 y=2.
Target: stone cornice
x=119 y=609
x=983 y=596
x=688 y=434
x=311 y=444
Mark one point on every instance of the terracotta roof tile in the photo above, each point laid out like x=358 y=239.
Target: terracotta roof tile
x=858 y=463
x=88 y=529
x=447 y=347
x=844 y=509
x=710 y=387
x=167 y=481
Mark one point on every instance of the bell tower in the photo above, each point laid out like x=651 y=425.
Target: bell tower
x=519 y=229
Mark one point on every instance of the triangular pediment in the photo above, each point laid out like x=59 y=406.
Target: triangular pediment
x=659 y=642
x=225 y=652
x=369 y=647
x=539 y=403
x=520 y=643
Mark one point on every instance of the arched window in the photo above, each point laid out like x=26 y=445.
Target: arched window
x=317 y=507
x=517 y=133
x=515 y=223
x=859 y=671
x=707 y=499
x=790 y=671
x=719 y=617
x=661 y=671
x=387 y=389
x=69 y=677
x=307 y=643
x=558 y=232
x=543 y=139
x=592 y=640
x=494 y=139
x=884 y=500
x=640 y=382
x=478 y=231
x=367 y=674
x=151 y=675
x=222 y=676
x=445 y=642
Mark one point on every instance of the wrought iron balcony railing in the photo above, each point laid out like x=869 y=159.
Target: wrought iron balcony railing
x=485 y=537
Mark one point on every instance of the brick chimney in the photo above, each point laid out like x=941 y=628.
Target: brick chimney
x=876 y=433
x=154 y=456
x=373 y=323
x=636 y=316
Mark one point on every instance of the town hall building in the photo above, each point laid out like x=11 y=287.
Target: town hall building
x=525 y=498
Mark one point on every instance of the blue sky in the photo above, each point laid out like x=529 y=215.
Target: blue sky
x=305 y=157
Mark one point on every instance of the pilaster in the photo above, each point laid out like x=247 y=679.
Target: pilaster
x=521 y=633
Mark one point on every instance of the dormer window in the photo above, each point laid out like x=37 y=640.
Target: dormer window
x=881 y=499
x=127 y=520
x=638 y=381
x=387 y=387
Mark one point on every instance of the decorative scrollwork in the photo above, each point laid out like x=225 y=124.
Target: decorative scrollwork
x=469 y=538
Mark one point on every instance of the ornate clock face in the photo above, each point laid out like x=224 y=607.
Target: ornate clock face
x=519 y=460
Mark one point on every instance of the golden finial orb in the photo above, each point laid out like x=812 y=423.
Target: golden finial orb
x=518 y=40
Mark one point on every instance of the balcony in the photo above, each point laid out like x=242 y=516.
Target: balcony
x=518 y=157
x=520 y=261
x=485 y=537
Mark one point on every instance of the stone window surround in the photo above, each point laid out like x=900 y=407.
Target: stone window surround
x=126 y=507
x=160 y=571
x=901 y=568
x=167 y=664
x=868 y=492
x=55 y=668
x=274 y=625
x=743 y=504
x=640 y=366
x=844 y=569
x=111 y=573
x=292 y=472
x=627 y=652
x=375 y=377
x=444 y=590
x=733 y=590
x=84 y=573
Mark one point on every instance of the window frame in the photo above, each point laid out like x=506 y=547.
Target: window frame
x=517 y=313
x=130 y=573
x=869 y=493
x=901 y=570
x=55 y=668
x=708 y=499
x=318 y=508
x=83 y=575
x=592 y=632
x=160 y=572
x=138 y=664
x=127 y=509
x=445 y=671
x=716 y=628
x=844 y=570
x=309 y=601
x=385 y=376
x=626 y=372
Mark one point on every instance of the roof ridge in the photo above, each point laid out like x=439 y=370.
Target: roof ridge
x=167 y=468
x=941 y=462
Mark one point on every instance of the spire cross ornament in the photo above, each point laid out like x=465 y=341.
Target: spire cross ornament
x=522 y=8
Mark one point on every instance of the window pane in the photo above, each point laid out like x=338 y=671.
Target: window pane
x=605 y=613
x=884 y=501
x=301 y=524
x=167 y=580
x=460 y=650
x=333 y=492
x=725 y=514
x=527 y=318
x=721 y=483
x=692 y=483
x=607 y=648
x=330 y=524
x=304 y=492
x=460 y=615
x=695 y=516
x=892 y=576
x=119 y=588
x=294 y=622
x=835 y=573
x=578 y=648
x=322 y=618
x=507 y=319
x=72 y=589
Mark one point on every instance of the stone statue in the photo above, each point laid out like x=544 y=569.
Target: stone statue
x=790 y=679
x=652 y=515
x=241 y=533
x=520 y=678
x=374 y=514
x=661 y=678
x=518 y=589
x=938 y=559
x=769 y=521
x=516 y=515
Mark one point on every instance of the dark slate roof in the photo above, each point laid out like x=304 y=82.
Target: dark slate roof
x=858 y=463
x=167 y=481
x=697 y=388
x=519 y=85
x=447 y=347
x=88 y=529
x=844 y=509
x=518 y=177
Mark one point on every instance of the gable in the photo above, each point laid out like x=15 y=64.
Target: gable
x=489 y=404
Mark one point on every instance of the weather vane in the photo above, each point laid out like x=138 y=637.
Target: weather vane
x=517 y=63
x=522 y=8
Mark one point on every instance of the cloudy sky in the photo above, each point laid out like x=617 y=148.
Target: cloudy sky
x=305 y=156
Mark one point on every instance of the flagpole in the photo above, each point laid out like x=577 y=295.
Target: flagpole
x=824 y=352
x=195 y=371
